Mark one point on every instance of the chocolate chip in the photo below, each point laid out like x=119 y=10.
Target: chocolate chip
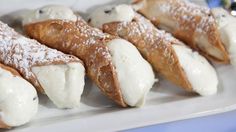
x=34 y=98
x=223 y=15
x=40 y=11
x=89 y=20
x=107 y=11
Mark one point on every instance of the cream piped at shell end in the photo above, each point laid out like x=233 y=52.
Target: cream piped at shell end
x=201 y=75
x=111 y=13
x=63 y=84
x=49 y=12
x=135 y=75
x=18 y=99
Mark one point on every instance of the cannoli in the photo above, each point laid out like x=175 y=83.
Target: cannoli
x=226 y=24
x=188 y=22
x=168 y=56
x=112 y=63
x=18 y=99
x=59 y=76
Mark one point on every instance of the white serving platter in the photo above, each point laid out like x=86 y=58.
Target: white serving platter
x=165 y=102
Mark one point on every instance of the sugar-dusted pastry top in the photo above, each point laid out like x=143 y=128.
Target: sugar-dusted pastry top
x=187 y=15
x=87 y=35
x=91 y=34
x=188 y=22
x=22 y=53
x=186 y=12
x=157 y=39
x=92 y=37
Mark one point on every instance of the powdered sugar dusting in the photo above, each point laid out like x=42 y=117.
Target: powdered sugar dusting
x=93 y=36
x=83 y=41
x=91 y=33
x=87 y=37
x=143 y=31
x=189 y=17
x=22 y=53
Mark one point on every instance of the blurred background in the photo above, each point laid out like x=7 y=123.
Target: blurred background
x=227 y=4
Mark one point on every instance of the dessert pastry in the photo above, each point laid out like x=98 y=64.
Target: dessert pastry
x=59 y=76
x=168 y=56
x=112 y=63
x=18 y=99
x=188 y=22
x=226 y=24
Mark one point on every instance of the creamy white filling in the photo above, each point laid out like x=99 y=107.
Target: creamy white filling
x=49 y=12
x=227 y=27
x=107 y=14
x=200 y=73
x=135 y=74
x=18 y=99
x=63 y=84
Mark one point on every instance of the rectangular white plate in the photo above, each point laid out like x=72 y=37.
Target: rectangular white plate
x=165 y=102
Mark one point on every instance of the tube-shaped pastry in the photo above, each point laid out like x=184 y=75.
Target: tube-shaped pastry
x=18 y=99
x=58 y=75
x=226 y=24
x=112 y=63
x=188 y=22
x=168 y=56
